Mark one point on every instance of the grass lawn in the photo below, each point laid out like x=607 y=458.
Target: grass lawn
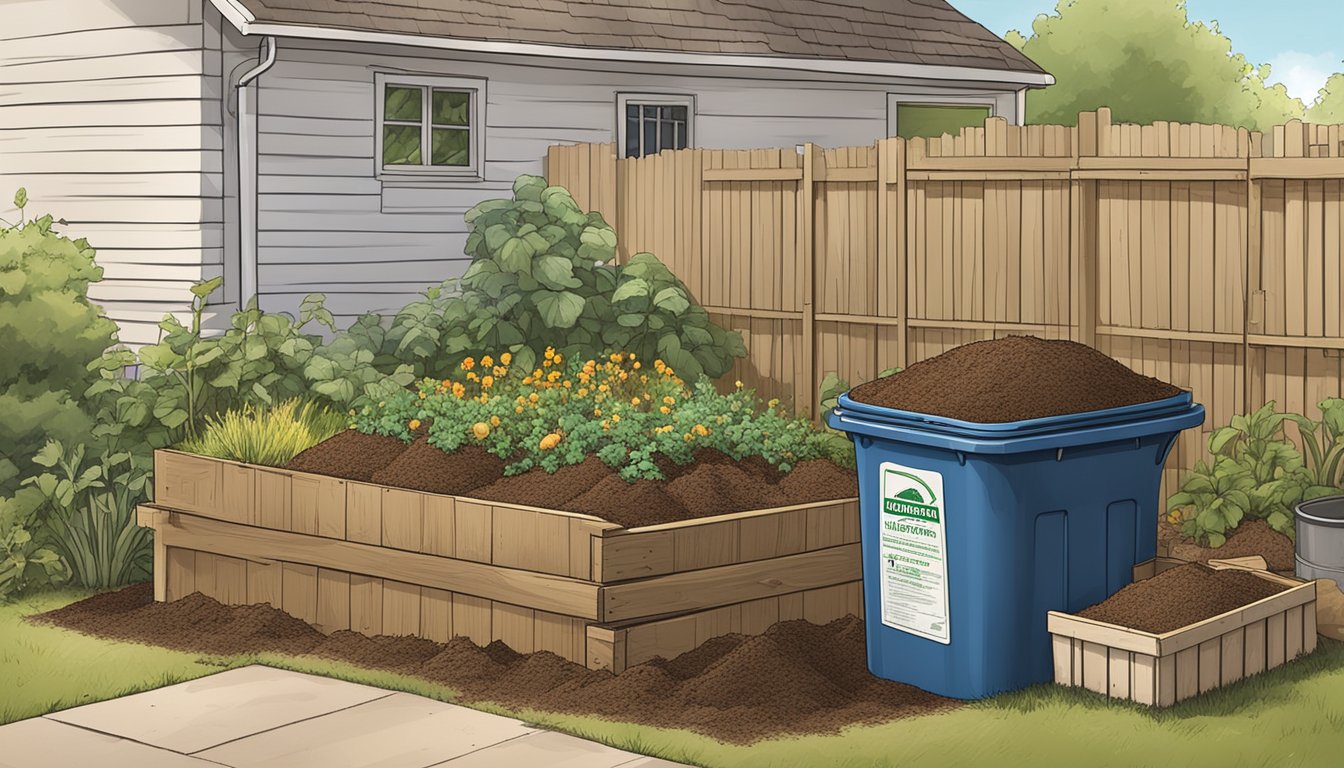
x=1293 y=716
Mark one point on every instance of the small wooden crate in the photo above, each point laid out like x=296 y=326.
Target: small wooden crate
x=1161 y=670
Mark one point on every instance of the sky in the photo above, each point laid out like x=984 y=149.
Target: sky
x=1301 y=40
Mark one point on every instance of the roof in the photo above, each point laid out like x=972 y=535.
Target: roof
x=918 y=34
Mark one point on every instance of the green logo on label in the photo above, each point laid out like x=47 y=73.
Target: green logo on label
x=915 y=500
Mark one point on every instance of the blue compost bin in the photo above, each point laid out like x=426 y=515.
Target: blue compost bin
x=972 y=532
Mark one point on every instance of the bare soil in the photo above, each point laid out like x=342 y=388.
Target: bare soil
x=712 y=484
x=1252 y=537
x=1011 y=379
x=1180 y=597
x=796 y=678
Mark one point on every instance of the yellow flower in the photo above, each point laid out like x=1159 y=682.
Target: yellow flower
x=701 y=430
x=583 y=391
x=615 y=357
x=472 y=376
x=738 y=383
x=487 y=361
x=637 y=365
x=506 y=358
x=548 y=442
x=550 y=352
x=533 y=397
x=602 y=388
x=527 y=379
x=467 y=364
x=568 y=384
x=624 y=375
x=774 y=401
x=422 y=395
x=616 y=418
x=414 y=424
x=518 y=409
x=553 y=376
x=632 y=355
x=664 y=410
x=687 y=437
x=487 y=381
x=559 y=359
x=669 y=400
x=458 y=389
x=634 y=401
x=597 y=411
x=481 y=430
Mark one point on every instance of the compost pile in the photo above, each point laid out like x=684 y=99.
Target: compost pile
x=1011 y=379
x=1252 y=537
x=796 y=678
x=712 y=484
x=1180 y=597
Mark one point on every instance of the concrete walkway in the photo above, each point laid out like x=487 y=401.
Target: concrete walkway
x=257 y=716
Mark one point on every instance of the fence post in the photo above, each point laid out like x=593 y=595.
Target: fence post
x=1252 y=312
x=807 y=250
x=1089 y=139
x=893 y=249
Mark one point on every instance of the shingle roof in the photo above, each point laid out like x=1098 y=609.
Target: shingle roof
x=929 y=32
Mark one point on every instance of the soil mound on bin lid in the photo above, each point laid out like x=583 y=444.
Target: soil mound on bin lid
x=1011 y=379
x=538 y=487
x=796 y=678
x=1180 y=597
x=1252 y=537
x=351 y=454
x=819 y=480
x=426 y=468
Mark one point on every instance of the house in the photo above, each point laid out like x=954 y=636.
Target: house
x=331 y=145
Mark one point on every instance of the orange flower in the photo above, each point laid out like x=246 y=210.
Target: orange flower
x=506 y=358
x=414 y=424
x=494 y=421
x=548 y=442
x=487 y=361
x=467 y=364
x=481 y=430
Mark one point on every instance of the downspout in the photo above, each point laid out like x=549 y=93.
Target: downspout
x=247 y=174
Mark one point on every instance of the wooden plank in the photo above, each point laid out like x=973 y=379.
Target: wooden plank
x=472 y=618
x=1096 y=668
x=473 y=534
x=1187 y=673
x=573 y=597
x=1143 y=679
x=231 y=581
x=265 y=583
x=581 y=549
x=1292 y=619
x=728 y=584
x=1166 y=680
x=237 y=494
x=364 y=513
x=775 y=535
x=535 y=541
x=605 y=648
x=1255 y=652
x=706 y=546
x=439 y=533
x=1062 y=653
x=436 y=614
x=562 y=635
x=1119 y=673
x=186 y=482
x=403 y=520
x=333 y=600
x=1005 y=165
x=1101 y=633
x=1210 y=664
x=299 y=597
x=1296 y=168
x=513 y=625
x=1233 y=656
x=638 y=555
x=401 y=609
x=1276 y=639
x=181 y=572
x=366 y=604
x=318 y=505
x=751 y=174
x=1217 y=625
x=205 y=574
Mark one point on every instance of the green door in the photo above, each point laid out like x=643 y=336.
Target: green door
x=936 y=119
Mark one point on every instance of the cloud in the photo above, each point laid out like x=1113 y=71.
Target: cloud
x=1303 y=74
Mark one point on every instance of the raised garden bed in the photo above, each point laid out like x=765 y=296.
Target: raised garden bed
x=1276 y=624
x=344 y=554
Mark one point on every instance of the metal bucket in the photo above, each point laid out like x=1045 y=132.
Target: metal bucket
x=1320 y=539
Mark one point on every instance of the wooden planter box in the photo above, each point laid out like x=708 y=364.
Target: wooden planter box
x=341 y=555
x=1161 y=670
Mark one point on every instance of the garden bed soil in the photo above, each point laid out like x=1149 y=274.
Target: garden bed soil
x=1252 y=537
x=1179 y=597
x=796 y=678
x=1011 y=379
x=712 y=484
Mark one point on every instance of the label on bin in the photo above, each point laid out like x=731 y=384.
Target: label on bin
x=913 y=547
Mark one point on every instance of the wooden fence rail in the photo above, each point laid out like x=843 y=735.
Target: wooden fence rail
x=1206 y=255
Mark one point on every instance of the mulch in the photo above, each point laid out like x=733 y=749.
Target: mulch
x=1179 y=597
x=797 y=678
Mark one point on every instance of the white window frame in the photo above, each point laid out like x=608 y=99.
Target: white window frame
x=657 y=99
x=894 y=100
x=476 y=127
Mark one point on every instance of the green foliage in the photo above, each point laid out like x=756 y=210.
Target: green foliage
x=828 y=397
x=1328 y=109
x=615 y=408
x=269 y=436
x=1258 y=473
x=88 y=505
x=1146 y=61
x=543 y=275
x=24 y=562
x=48 y=334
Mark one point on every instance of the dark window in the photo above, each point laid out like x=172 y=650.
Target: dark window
x=426 y=126
x=651 y=128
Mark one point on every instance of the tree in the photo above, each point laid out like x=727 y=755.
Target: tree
x=1328 y=108
x=1146 y=61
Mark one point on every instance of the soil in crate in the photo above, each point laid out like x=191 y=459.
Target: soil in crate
x=1013 y=378
x=1252 y=537
x=796 y=678
x=712 y=484
x=1180 y=597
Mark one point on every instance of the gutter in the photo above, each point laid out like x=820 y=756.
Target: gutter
x=247 y=23
x=247 y=174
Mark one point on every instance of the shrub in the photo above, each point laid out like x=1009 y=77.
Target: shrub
x=616 y=408
x=1258 y=473
x=48 y=334
x=543 y=275
x=267 y=436
x=23 y=561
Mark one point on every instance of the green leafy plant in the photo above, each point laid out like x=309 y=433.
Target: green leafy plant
x=88 y=504
x=1258 y=473
x=50 y=332
x=1323 y=442
x=543 y=274
x=828 y=397
x=24 y=562
x=270 y=436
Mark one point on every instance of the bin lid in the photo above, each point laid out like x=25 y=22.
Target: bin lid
x=1005 y=429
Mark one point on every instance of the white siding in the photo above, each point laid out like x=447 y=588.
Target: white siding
x=110 y=116
x=327 y=223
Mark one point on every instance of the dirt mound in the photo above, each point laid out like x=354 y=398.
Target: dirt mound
x=426 y=468
x=1252 y=537
x=567 y=484
x=796 y=678
x=643 y=502
x=1179 y=597
x=724 y=486
x=1013 y=378
x=819 y=480
x=350 y=454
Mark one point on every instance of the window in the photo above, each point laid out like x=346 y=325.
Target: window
x=429 y=126
x=936 y=119
x=650 y=124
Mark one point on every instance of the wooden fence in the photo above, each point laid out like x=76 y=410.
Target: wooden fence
x=1205 y=255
